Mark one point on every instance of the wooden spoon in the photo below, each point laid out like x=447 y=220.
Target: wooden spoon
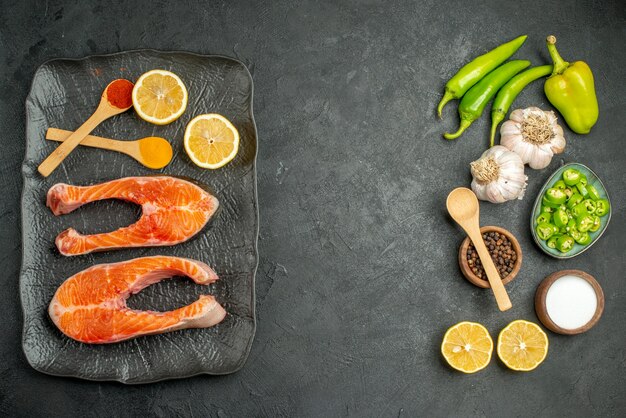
x=463 y=206
x=152 y=151
x=104 y=111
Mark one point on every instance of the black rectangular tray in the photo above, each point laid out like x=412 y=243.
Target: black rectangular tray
x=63 y=95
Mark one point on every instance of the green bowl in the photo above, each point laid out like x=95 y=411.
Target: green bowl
x=592 y=179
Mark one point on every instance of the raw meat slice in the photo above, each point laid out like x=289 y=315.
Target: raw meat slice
x=173 y=210
x=91 y=306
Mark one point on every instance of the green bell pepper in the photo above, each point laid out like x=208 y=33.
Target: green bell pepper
x=571 y=90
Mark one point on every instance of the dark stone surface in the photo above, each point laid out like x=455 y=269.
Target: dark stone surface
x=358 y=278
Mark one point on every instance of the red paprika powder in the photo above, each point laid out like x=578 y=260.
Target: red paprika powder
x=120 y=93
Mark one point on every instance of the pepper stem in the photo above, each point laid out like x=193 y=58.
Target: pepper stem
x=464 y=125
x=560 y=64
x=495 y=121
x=447 y=96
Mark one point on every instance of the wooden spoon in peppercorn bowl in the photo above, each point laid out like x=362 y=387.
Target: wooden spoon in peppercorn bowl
x=463 y=206
x=109 y=106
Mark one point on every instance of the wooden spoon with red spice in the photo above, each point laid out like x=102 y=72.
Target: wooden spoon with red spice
x=116 y=99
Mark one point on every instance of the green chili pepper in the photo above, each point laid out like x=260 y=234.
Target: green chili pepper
x=582 y=189
x=544 y=217
x=571 y=226
x=574 y=233
x=557 y=196
x=568 y=192
x=472 y=72
x=583 y=238
x=552 y=241
x=584 y=223
x=571 y=176
x=590 y=205
x=565 y=243
x=546 y=230
x=583 y=179
x=510 y=91
x=560 y=185
x=571 y=90
x=560 y=218
x=593 y=192
x=574 y=200
x=596 y=224
x=546 y=202
x=579 y=210
x=602 y=207
x=547 y=209
x=475 y=100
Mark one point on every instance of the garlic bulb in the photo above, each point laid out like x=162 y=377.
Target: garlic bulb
x=534 y=135
x=498 y=175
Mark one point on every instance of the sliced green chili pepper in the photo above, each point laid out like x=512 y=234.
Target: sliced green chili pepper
x=568 y=191
x=547 y=209
x=560 y=185
x=582 y=189
x=546 y=230
x=556 y=195
x=571 y=225
x=590 y=205
x=510 y=91
x=583 y=179
x=596 y=224
x=546 y=202
x=583 y=238
x=475 y=100
x=544 y=217
x=571 y=90
x=575 y=234
x=552 y=241
x=565 y=243
x=579 y=210
x=602 y=207
x=560 y=218
x=585 y=223
x=574 y=200
x=472 y=72
x=571 y=176
x=593 y=192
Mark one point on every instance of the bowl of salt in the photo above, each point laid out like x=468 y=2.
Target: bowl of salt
x=569 y=302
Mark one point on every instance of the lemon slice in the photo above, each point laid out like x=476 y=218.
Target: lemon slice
x=211 y=141
x=159 y=97
x=467 y=347
x=522 y=345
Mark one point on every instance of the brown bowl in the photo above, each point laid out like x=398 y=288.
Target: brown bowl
x=467 y=272
x=542 y=311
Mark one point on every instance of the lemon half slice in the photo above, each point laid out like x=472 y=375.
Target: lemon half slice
x=159 y=97
x=211 y=141
x=467 y=347
x=522 y=345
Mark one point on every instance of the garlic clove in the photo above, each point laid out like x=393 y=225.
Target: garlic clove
x=521 y=148
x=552 y=118
x=517 y=115
x=494 y=193
x=509 y=128
x=558 y=144
x=540 y=157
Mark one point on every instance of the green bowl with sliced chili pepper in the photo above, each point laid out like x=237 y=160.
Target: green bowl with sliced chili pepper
x=565 y=227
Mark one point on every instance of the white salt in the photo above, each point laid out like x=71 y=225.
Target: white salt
x=571 y=302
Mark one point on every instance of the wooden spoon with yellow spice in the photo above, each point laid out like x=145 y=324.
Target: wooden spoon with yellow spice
x=152 y=151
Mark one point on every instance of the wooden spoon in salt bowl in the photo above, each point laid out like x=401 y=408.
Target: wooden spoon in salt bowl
x=152 y=151
x=115 y=99
x=463 y=206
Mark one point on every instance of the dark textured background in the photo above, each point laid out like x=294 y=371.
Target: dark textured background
x=358 y=278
